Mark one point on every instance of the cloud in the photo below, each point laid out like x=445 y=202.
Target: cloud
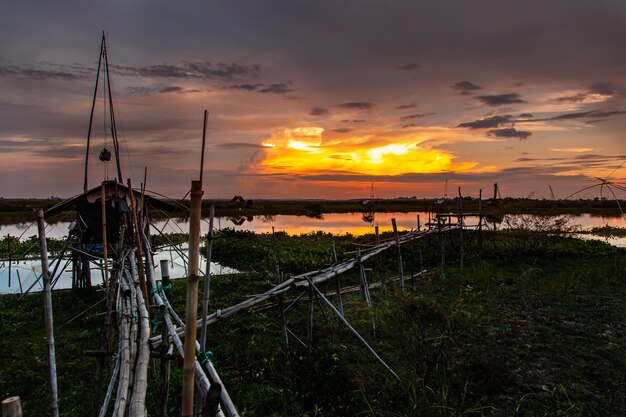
x=58 y=72
x=510 y=133
x=318 y=111
x=500 y=99
x=410 y=105
x=465 y=87
x=592 y=114
x=487 y=122
x=411 y=66
x=161 y=90
x=526 y=115
x=604 y=88
x=343 y=130
x=357 y=105
x=277 y=88
x=598 y=92
x=416 y=116
x=247 y=87
x=238 y=146
x=198 y=69
x=353 y=121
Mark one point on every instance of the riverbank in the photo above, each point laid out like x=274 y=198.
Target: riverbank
x=21 y=210
x=535 y=325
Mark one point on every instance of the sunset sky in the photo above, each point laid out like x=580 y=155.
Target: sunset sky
x=318 y=99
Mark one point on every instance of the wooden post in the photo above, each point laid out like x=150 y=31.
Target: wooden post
x=54 y=399
x=12 y=407
x=365 y=288
x=440 y=235
x=165 y=360
x=400 y=269
x=207 y=276
x=142 y=276
x=309 y=337
x=192 y=299
x=377 y=235
x=283 y=321
x=104 y=237
x=10 y=249
x=337 y=282
x=480 y=219
x=419 y=227
x=461 y=223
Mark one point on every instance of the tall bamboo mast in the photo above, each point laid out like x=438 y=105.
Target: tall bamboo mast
x=54 y=396
x=116 y=146
x=93 y=107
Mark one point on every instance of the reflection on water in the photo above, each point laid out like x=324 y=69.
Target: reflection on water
x=341 y=223
x=26 y=274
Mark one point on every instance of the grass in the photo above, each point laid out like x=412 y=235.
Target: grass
x=535 y=326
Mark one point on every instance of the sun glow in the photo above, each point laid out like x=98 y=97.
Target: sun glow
x=304 y=150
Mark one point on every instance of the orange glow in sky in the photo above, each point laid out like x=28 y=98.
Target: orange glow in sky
x=304 y=150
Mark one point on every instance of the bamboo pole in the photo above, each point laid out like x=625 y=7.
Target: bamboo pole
x=461 y=222
x=400 y=269
x=137 y=407
x=138 y=233
x=104 y=237
x=207 y=276
x=337 y=282
x=352 y=330
x=54 y=396
x=12 y=407
x=10 y=250
x=192 y=299
x=441 y=253
x=123 y=352
x=480 y=219
x=300 y=282
x=283 y=321
x=309 y=336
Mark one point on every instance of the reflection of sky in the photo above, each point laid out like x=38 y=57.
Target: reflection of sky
x=330 y=223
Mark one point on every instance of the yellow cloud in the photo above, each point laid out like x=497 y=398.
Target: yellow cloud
x=303 y=150
x=577 y=150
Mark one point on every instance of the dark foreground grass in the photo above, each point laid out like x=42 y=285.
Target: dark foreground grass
x=534 y=327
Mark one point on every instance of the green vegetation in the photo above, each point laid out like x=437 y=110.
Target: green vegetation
x=534 y=326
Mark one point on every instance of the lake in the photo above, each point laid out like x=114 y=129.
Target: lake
x=25 y=273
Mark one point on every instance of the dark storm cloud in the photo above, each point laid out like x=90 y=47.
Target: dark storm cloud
x=465 y=87
x=411 y=66
x=277 y=88
x=510 y=133
x=247 y=87
x=501 y=99
x=410 y=105
x=357 y=105
x=318 y=111
x=343 y=130
x=487 y=122
x=200 y=69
